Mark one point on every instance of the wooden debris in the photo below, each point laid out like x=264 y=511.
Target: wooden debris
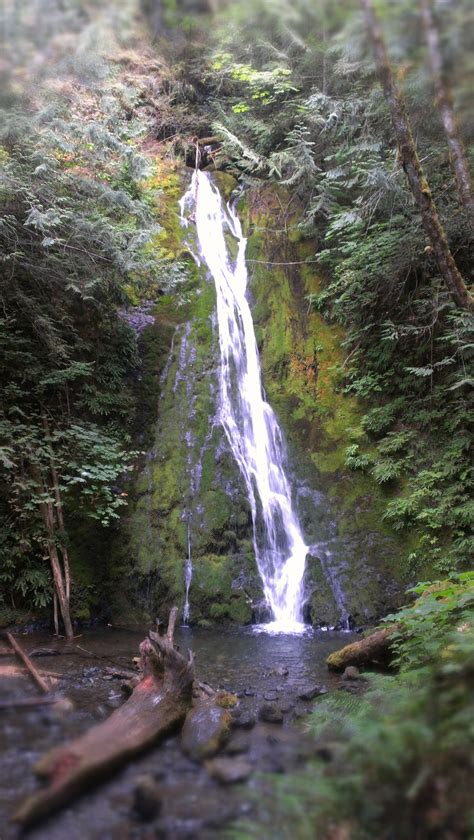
x=40 y=682
x=374 y=650
x=158 y=704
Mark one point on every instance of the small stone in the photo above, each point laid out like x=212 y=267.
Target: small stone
x=270 y=713
x=246 y=720
x=229 y=771
x=351 y=689
x=249 y=692
x=282 y=671
x=270 y=695
x=239 y=743
x=226 y=700
x=311 y=691
x=351 y=673
x=89 y=672
x=147 y=798
x=301 y=712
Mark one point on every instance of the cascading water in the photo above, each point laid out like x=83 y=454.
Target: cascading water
x=249 y=422
x=188 y=576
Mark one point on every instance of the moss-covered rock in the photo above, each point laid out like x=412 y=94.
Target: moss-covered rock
x=189 y=497
x=356 y=565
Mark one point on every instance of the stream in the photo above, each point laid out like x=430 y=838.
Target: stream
x=193 y=805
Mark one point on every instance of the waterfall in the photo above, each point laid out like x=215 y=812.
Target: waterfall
x=249 y=422
x=188 y=576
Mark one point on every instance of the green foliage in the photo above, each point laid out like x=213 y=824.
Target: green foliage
x=409 y=351
x=79 y=238
x=398 y=758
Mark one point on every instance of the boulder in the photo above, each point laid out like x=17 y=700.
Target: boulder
x=205 y=730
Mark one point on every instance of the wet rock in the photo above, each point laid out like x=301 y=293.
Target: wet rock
x=229 y=771
x=270 y=713
x=301 y=711
x=226 y=699
x=281 y=671
x=114 y=701
x=352 y=673
x=286 y=706
x=309 y=692
x=246 y=720
x=249 y=692
x=89 y=672
x=147 y=799
x=205 y=730
x=271 y=696
x=239 y=743
x=351 y=689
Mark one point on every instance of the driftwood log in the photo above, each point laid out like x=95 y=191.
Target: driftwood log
x=158 y=704
x=374 y=650
x=40 y=682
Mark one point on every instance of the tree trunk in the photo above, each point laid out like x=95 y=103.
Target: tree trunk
x=47 y=512
x=59 y=511
x=406 y=146
x=444 y=102
x=157 y=705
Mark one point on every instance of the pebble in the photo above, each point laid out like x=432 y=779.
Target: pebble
x=147 y=798
x=270 y=695
x=351 y=673
x=270 y=713
x=239 y=743
x=301 y=711
x=229 y=771
x=245 y=720
x=311 y=691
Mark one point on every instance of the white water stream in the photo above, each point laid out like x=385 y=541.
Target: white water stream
x=250 y=424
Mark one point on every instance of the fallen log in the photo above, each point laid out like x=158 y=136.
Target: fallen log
x=158 y=704
x=40 y=682
x=374 y=650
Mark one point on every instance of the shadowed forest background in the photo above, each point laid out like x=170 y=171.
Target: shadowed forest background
x=347 y=142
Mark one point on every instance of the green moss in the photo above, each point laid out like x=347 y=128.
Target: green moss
x=303 y=364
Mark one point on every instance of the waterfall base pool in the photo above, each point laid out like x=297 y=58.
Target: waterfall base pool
x=193 y=805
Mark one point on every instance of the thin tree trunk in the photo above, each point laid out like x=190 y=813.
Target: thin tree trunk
x=58 y=577
x=59 y=511
x=411 y=164
x=49 y=521
x=445 y=104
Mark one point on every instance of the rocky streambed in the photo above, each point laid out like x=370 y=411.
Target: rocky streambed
x=169 y=791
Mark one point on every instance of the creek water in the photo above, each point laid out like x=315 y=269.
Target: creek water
x=251 y=426
x=194 y=805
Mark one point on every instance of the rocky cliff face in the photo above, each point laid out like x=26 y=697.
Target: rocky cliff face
x=189 y=497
